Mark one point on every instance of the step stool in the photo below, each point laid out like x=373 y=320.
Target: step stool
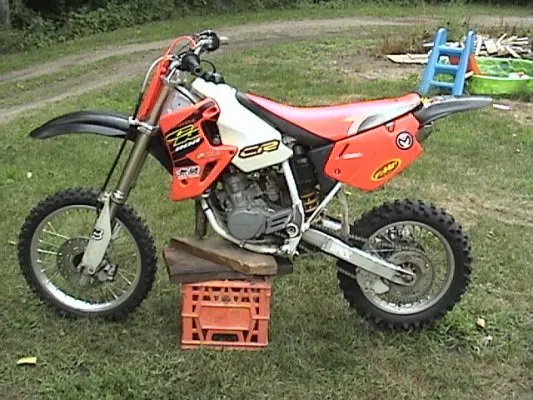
x=435 y=67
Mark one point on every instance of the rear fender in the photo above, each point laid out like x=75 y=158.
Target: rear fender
x=441 y=106
x=112 y=125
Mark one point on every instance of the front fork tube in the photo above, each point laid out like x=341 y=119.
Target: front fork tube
x=104 y=227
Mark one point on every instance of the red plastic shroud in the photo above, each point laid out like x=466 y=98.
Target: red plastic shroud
x=368 y=160
x=196 y=161
x=155 y=84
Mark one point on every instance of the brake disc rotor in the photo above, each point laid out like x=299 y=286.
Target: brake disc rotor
x=69 y=257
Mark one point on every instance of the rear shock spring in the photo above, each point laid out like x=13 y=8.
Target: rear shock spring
x=309 y=202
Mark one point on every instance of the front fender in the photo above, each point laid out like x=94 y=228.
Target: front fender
x=104 y=124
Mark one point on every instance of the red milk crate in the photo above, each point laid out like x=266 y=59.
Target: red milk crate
x=225 y=314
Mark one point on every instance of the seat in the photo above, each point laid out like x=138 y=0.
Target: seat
x=330 y=123
x=300 y=134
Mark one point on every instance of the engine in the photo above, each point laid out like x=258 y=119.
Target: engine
x=259 y=204
x=254 y=204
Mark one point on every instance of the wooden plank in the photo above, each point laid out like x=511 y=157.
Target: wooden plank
x=186 y=268
x=512 y=52
x=491 y=46
x=225 y=253
x=407 y=59
x=478 y=46
x=418 y=56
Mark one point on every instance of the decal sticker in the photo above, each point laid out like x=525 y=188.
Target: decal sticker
x=404 y=141
x=97 y=234
x=208 y=155
x=183 y=138
x=351 y=156
x=188 y=172
x=386 y=169
x=258 y=149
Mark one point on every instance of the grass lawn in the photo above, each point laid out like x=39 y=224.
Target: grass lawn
x=476 y=165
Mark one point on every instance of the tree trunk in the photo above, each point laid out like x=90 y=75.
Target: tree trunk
x=4 y=14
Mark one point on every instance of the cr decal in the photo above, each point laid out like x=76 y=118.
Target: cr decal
x=258 y=149
x=386 y=169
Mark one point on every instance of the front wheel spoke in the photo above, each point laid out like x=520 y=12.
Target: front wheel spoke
x=121 y=274
x=113 y=293
x=54 y=246
x=53 y=253
x=56 y=234
x=116 y=232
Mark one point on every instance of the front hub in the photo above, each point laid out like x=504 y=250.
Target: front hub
x=69 y=258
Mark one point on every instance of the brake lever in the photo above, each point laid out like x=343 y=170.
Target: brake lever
x=209 y=40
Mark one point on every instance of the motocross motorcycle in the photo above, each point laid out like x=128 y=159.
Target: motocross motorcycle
x=261 y=174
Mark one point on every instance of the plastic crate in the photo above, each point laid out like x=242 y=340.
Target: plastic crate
x=225 y=314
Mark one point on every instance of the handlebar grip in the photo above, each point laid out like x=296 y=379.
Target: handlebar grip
x=191 y=62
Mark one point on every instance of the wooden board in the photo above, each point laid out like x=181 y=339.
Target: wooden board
x=512 y=52
x=491 y=47
x=224 y=253
x=186 y=268
x=408 y=58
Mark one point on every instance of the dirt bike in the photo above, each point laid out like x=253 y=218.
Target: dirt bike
x=261 y=174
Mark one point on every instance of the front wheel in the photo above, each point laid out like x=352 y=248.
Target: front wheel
x=419 y=236
x=51 y=244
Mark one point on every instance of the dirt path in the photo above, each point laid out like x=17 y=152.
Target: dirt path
x=242 y=36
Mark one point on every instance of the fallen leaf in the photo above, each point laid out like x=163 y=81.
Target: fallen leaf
x=487 y=340
x=480 y=323
x=27 y=361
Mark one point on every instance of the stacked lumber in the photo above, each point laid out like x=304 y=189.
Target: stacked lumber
x=504 y=46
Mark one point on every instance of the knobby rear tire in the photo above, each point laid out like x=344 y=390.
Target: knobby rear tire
x=418 y=211
x=126 y=215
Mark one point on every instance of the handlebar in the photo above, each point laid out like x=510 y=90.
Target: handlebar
x=191 y=62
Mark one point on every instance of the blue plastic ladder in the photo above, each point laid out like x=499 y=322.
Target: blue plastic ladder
x=434 y=67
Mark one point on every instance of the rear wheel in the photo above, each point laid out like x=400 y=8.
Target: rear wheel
x=417 y=236
x=51 y=244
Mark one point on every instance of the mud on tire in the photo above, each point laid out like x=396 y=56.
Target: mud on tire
x=126 y=215
x=425 y=213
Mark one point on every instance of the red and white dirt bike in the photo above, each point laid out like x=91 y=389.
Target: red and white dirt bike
x=261 y=174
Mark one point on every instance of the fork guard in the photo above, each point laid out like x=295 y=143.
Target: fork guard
x=113 y=125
